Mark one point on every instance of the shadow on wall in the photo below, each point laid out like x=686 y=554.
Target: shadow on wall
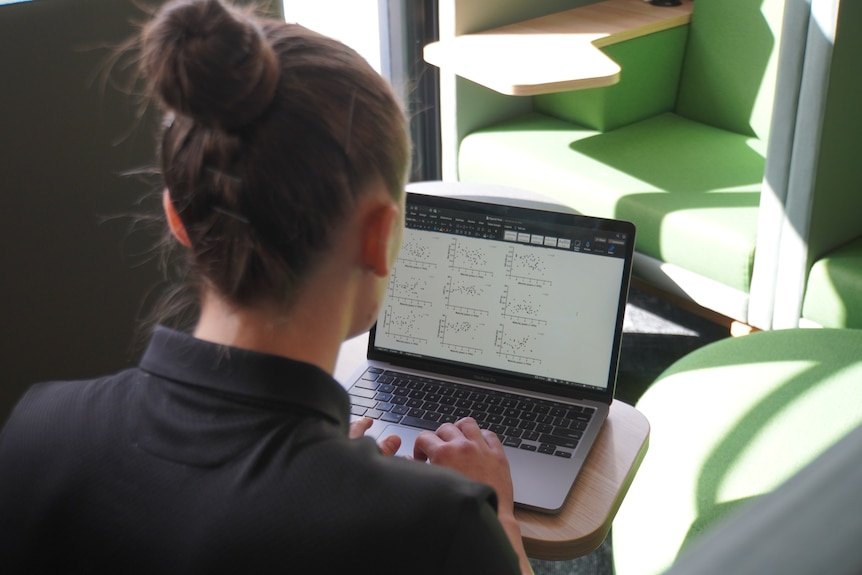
x=75 y=278
x=78 y=274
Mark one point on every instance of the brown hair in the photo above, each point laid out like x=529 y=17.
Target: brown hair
x=270 y=133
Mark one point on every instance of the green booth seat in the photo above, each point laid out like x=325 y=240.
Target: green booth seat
x=732 y=143
x=730 y=422
x=833 y=296
x=692 y=189
x=783 y=531
x=678 y=146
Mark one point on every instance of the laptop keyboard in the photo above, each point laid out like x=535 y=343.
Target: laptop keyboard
x=527 y=423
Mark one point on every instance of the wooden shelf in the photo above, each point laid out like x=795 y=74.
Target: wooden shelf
x=557 y=52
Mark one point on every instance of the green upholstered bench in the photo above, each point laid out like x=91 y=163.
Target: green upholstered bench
x=693 y=190
x=811 y=524
x=729 y=422
x=833 y=295
x=678 y=146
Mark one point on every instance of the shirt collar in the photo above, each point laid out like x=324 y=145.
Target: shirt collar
x=185 y=359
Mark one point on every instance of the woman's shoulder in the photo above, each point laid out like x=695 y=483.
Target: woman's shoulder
x=54 y=408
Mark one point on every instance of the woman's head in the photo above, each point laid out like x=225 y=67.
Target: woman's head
x=271 y=132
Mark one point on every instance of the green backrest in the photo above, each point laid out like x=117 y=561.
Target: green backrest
x=836 y=205
x=720 y=71
x=648 y=85
x=729 y=70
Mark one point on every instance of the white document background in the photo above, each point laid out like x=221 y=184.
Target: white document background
x=506 y=305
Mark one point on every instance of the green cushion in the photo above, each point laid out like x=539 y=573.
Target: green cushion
x=833 y=296
x=728 y=77
x=729 y=422
x=648 y=84
x=836 y=200
x=692 y=190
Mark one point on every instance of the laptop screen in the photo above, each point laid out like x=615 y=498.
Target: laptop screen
x=503 y=293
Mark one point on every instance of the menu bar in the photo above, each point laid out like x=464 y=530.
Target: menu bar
x=538 y=234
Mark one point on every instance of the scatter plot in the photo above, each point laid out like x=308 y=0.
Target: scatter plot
x=518 y=346
x=522 y=306
x=529 y=263
x=467 y=296
x=524 y=309
x=415 y=251
x=470 y=260
x=409 y=285
x=405 y=325
x=529 y=266
x=462 y=336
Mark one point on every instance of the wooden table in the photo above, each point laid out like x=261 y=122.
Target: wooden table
x=587 y=515
x=557 y=52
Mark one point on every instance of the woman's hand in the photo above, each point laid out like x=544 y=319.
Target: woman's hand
x=478 y=454
x=475 y=452
x=388 y=445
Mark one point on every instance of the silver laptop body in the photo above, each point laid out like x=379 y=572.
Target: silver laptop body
x=508 y=309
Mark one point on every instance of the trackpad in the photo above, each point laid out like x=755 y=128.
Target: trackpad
x=407 y=435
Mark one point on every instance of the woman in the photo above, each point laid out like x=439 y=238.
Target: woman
x=284 y=158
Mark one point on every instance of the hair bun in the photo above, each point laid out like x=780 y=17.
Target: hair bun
x=210 y=61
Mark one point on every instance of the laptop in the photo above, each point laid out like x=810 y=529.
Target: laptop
x=508 y=314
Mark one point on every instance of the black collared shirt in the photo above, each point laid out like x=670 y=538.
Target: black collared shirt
x=209 y=459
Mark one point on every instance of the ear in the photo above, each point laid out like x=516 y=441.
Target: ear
x=381 y=234
x=174 y=222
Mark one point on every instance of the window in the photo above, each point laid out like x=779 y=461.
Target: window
x=390 y=34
